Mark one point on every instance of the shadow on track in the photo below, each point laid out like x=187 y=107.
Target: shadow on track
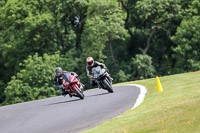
x=98 y=94
x=69 y=101
x=64 y=102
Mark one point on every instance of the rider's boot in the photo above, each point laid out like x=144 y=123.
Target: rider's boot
x=66 y=92
x=70 y=95
x=63 y=92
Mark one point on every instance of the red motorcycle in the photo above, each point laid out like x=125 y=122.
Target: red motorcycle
x=73 y=86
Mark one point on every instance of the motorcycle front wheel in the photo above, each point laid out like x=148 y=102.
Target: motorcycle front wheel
x=78 y=92
x=108 y=86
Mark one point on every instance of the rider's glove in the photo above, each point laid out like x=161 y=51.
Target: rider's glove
x=90 y=76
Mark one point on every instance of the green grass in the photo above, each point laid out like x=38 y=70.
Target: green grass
x=175 y=110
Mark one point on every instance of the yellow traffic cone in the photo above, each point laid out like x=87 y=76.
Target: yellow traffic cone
x=159 y=86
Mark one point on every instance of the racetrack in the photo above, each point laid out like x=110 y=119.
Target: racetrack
x=64 y=114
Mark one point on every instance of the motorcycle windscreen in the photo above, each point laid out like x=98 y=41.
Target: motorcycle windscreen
x=67 y=77
x=72 y=77
x=97 y=71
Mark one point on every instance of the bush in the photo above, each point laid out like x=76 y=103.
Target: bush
x=122 y=77
x=35 y=81
x=142 y=67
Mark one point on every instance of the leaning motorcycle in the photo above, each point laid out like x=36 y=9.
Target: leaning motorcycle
x=72 y=86
x=102 y=79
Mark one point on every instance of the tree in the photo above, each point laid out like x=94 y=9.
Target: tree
x=35 y=81
x=103 y=25
x=186 y=56
x=151 y=25
x=122 y=77
x=188 y=49
x=30 y=26
x=26 y=30
x=37 y=26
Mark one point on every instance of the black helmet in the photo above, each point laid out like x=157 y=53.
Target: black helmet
x=58 y=70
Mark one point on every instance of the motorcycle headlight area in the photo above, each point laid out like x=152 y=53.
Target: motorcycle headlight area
x=95 y=76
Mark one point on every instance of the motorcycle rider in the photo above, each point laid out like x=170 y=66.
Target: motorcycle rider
x=59 y=77
x=91 y=64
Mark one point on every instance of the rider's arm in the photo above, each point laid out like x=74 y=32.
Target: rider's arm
x=57 y=86
x=101 y=64
x=88 y=72
x=56 y=81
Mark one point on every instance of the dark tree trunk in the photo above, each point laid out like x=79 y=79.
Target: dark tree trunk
x=145 y=50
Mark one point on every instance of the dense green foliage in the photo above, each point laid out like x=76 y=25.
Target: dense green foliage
x=136 y=39
x=143 y=65
x=32 y=82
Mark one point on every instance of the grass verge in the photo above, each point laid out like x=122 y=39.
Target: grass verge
x=175 y=110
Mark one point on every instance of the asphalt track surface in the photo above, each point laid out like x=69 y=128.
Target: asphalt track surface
x=64 y=114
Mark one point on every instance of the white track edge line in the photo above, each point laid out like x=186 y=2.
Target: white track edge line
x=143 y=92
x=141 y=96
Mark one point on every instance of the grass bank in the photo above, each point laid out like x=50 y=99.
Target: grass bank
x=175 y=110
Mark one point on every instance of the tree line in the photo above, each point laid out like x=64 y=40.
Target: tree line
x=136 y=39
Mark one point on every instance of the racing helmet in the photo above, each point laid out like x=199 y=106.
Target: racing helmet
x=90 y=61
x=58 y=71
